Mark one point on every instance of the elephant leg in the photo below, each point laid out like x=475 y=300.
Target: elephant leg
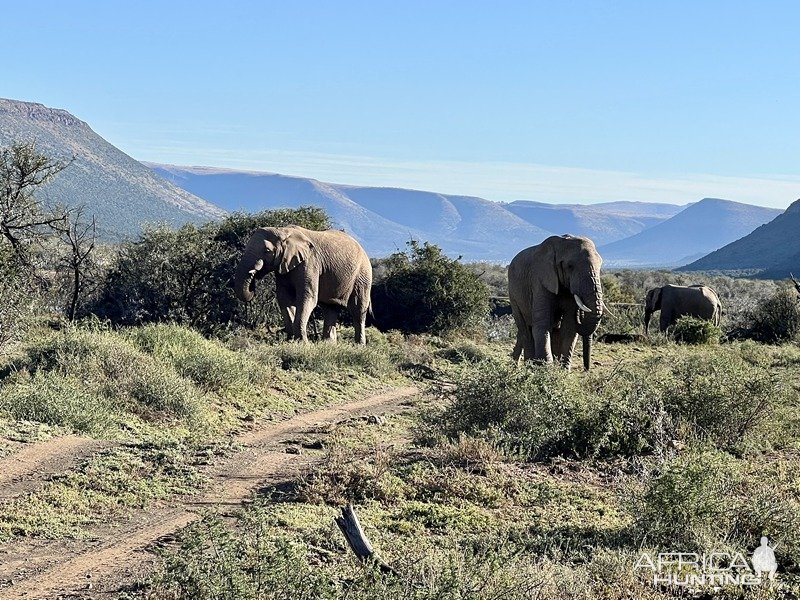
x=306 y=302
x=666 y=319
x=524 y=340
x=286 y=304
x=567 y=336
x=359 y=307
x=542 y=325
x=331 y=317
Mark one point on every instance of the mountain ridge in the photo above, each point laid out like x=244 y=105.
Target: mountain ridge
x=770 y=251
x=121 y=192
x=700 y=228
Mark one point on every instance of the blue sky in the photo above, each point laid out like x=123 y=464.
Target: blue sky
x=554 y=101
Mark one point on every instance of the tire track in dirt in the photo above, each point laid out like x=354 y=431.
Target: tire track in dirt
x=118 y=554
x=34 y=464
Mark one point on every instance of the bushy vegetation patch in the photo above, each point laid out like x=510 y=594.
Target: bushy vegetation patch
x=330 y=359
x=691 y=330
x=422 y=290
x=107 y=372
x=775 y=319
x=705 y=499
x=533 y=411
x=207 y=363
x=641 y=408
x=56 y=399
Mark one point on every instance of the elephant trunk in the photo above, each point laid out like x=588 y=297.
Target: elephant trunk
x=591 y=300
x=245 y=278
x=587 y=352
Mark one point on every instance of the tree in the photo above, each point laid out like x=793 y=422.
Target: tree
x=22 y=215
x=77 y=264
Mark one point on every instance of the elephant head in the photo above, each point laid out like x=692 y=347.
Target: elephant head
x=651 y=304
x=269 y=249
x=572 y=265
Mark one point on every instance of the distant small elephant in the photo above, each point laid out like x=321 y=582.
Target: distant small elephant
x=328 y=268
x=676 y=301
x=555 y=294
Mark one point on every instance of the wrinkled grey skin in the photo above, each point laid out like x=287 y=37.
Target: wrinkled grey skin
x=675 y=301
x=326 y=268
x=542 y=283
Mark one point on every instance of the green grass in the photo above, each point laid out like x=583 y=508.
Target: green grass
x=531 y=482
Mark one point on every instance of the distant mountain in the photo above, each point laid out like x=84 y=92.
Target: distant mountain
x=604 y=222
x=694 y=232
x=771 y=251
x=121 y=192
x=383 y=219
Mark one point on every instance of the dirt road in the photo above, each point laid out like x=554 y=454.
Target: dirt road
x=116 y=554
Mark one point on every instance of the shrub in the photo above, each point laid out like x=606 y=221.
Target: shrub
x=328 y=359
x=720 y=397
x=688 y=501
x=775 y=319
x=691 y=330
x=534 y=411
x=423 y=290
x=184 y=275
x=707 y=500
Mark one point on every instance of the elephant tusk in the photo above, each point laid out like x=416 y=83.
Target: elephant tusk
x=607 y=309
x=259 y=265
x=581 y=305
x=252 y=271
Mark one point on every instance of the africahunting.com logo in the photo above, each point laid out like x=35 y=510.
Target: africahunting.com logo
x=716 y=569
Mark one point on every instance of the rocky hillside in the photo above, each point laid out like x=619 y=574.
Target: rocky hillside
x=771 y=251
x=121 y=192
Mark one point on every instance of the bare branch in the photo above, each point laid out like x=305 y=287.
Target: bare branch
x=357 y=539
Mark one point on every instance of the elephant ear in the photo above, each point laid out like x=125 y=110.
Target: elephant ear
x=546 y=267
x=296 y=247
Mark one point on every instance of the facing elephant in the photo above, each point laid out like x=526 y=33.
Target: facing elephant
x=555 y=294
x=676 y=301
x=326 y=268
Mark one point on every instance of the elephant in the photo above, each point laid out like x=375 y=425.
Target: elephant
x=326 y=268
x=555 y=294
x=675 y=301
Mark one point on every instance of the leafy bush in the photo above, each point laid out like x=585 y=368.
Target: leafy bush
x=775 y=319
x=691 y=330
x=688 y=501
x=185 y=275
x=423 y=290
x=644 y=408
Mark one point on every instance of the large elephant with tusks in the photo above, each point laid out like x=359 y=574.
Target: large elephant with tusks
x=556 y=295
x=325 y=268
